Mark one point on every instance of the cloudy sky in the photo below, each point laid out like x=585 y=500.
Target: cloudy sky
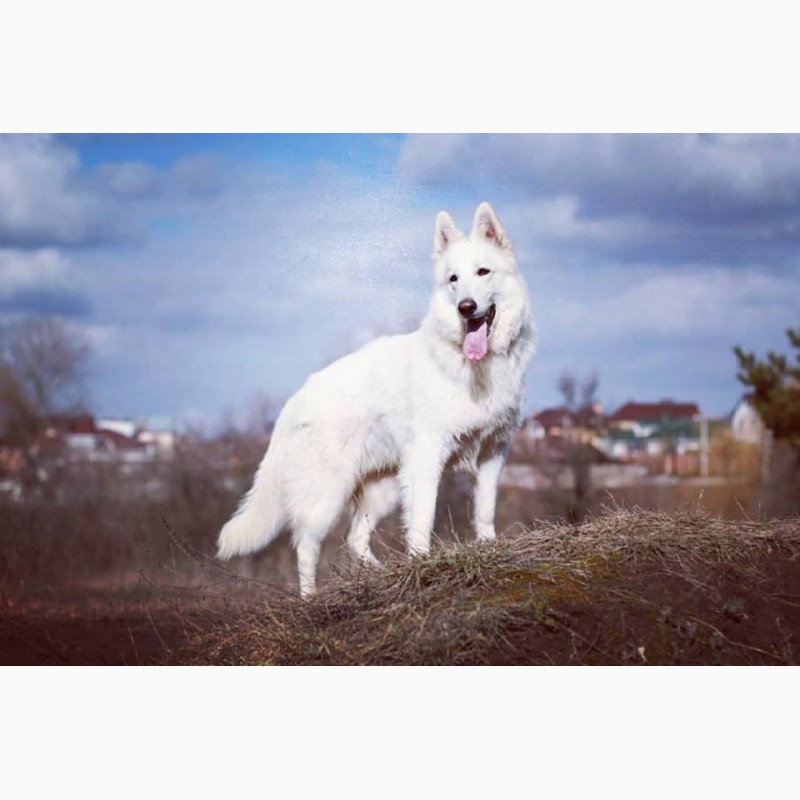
x=208 y=269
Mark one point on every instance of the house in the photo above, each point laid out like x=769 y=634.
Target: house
x=78 y=440
x=155 y=433
x=577 y=426
x=645 y=418
x=557 y=462
x=126 y=427
x=159 y=434
x=666 y=437
x=524 y=442
x=554 y=421
x=110 y=439
x=746 y=423
x=582 y=424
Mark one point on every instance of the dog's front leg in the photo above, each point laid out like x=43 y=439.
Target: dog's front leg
x=419 y=482
x=486 y=494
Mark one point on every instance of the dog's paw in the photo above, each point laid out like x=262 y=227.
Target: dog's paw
x=486 y=535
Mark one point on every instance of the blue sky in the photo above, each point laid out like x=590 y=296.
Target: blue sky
x=207 y=270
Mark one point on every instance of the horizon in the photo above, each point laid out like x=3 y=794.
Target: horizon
x=210 y=270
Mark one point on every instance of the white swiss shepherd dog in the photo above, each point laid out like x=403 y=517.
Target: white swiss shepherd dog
x=380 y=425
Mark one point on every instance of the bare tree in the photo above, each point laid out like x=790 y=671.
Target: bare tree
x=578 y=395
x=579 y=399
x=43 y=364
x=568 y=386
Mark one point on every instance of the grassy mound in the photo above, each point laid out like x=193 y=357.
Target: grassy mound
x=627 y=587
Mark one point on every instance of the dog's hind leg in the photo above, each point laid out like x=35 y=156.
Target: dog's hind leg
x=308 y=545
x=377 y=500
x=312 y=520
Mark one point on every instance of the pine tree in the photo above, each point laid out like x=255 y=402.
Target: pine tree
x=776 y=389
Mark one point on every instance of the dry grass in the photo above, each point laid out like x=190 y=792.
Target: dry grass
x=628 y=586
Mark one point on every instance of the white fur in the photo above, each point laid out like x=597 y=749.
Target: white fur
x=381 y=424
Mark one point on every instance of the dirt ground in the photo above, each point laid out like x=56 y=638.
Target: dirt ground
x=122 y=634
x=627 y=589
x=655 y=615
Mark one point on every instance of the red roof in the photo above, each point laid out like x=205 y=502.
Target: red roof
x=652 y=412
x=65 y=423
x=54 y=442
x=554 y=417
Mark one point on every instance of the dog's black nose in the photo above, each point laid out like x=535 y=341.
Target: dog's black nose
x=467 y=308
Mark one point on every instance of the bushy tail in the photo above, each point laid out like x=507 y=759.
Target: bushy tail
x=259 y=518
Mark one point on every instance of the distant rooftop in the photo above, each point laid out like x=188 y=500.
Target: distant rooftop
x=654 y=412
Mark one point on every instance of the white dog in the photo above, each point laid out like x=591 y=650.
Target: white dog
x=381 y=424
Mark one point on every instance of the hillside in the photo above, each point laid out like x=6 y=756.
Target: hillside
x=626 y=587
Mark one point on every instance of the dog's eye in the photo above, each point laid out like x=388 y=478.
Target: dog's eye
x=483 y=271
x=453 y=278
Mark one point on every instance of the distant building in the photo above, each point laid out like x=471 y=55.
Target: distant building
x=647 y=417
x=92 y=445
x=162 y=440
x=126 y=427
x=108 y=439
x=554 y=421
x=155 y=433
x=524 y=442
x=583 y=424
x=666 y=437
x=746 y=423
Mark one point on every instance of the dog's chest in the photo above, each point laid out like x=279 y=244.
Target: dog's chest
x=468 y=447
x=486 y=398
x=479 y=423
x=467 y=402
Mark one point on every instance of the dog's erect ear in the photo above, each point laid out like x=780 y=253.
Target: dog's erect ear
x=487 y=227
x=446 y=233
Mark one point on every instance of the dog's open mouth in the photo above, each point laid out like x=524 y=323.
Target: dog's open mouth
x=476 y=339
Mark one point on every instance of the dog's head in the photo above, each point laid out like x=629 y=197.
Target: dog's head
x=480 y=300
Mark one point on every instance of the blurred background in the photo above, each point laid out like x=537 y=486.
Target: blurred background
x=161 y=296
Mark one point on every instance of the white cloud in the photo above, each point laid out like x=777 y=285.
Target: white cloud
x=198 y=175
x=696 y=197
x=269 y=273
x=762 y=169
x=40 y=282
x=715 y=303
x=271 y=280
x=43 y=200
x=654 y=332
x=126 y=179
x=20 y=269
x=106 y=341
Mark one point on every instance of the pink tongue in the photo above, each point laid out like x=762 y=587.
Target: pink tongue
x=476 y=343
